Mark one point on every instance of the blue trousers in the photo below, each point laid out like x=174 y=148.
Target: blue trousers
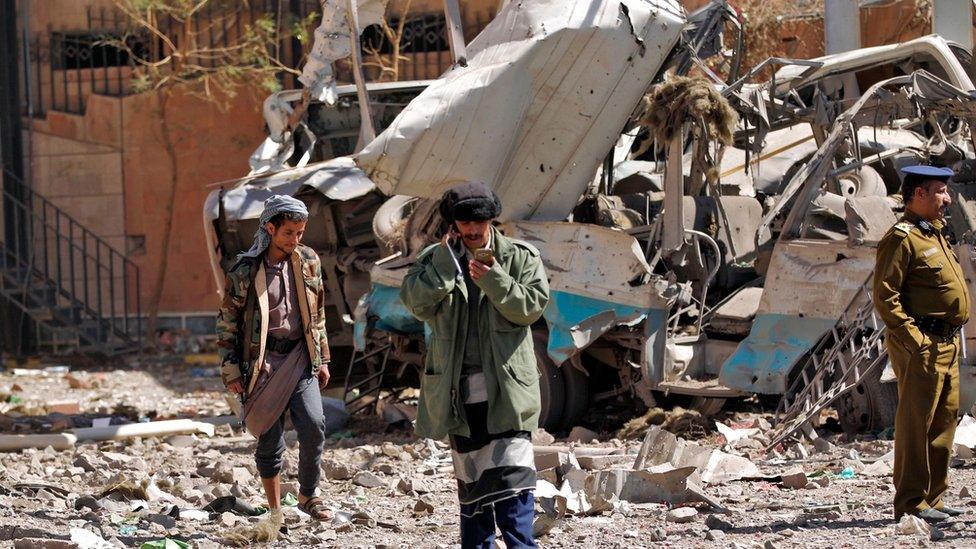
x=512 y=515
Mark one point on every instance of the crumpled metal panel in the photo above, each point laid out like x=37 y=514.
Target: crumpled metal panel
x=810 y=283
x=547 y=89
x=598 y=279
x=332 y=42
x=776 y=342
x=338 y=179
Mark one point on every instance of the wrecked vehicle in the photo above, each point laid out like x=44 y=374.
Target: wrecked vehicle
x=692 y=258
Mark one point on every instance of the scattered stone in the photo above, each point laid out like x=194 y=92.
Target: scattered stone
x=682 y=514
x=714 y=522
x=714 y=535
x=822 y=481
x=423 y=506
x=770 y=544
x=541 y=437
x=77 y=383
x=657 y=534
x=240 y=475
x=581 y=434
x=794 y=479
x=936 y=534
x=366 y=479
x=228 y=519
x=44 y=543
x=165 y=521
x=408 y=485
x=87 y=502
x=85 y=463
x=336 y=470
x=632 y=534
x=67 y=407
x=964 y=492
x=910 y=525
x=181 y=441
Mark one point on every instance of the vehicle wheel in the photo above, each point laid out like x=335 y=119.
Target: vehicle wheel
x=388 y=222
x=706 y=406
x=577 y=386
x=552 y=389
x=870 y=406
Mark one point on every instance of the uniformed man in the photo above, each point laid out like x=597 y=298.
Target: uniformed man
x=920 y=293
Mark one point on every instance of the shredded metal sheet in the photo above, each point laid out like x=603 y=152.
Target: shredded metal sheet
x=547 y=89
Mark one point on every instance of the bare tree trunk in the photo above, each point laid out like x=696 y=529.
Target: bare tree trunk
x=169 y=148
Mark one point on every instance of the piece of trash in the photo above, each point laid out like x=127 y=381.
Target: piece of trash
x=910 y=525
x=196 y=515
x=57 y=370
x=128 y=529
x=734 y=435
x=847 y=474
x=289 y=500
x=101 y=422
x=165 y=543
x=964 y=443
x=238 y=505
x=86 y=539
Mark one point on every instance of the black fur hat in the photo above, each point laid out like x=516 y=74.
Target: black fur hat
x=470 y=201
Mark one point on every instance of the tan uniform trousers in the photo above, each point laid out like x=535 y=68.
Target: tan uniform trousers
x=925 y=423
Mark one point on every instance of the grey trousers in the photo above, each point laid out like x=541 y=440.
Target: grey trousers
x=305 y=406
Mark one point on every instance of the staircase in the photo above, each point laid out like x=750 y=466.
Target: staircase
x=81 y=293
x=850 y=352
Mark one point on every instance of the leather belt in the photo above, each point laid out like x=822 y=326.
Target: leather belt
x=937 y=328
x=281 y=346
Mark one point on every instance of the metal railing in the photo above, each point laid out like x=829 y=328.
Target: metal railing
x=61 y=272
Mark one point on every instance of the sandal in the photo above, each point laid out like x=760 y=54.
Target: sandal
x=315 y=507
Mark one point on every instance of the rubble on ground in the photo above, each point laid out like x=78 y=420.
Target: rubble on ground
x=709 y=485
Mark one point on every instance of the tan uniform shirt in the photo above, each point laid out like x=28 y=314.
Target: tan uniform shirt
x=918 y=275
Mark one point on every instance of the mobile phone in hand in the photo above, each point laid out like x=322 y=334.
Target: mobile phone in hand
x=484 y=256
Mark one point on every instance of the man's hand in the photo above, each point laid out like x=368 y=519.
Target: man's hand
x=236 y=387
x=477 y=269
x=324 y=375
x=447 y=238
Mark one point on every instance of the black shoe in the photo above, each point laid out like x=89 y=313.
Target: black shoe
x=931 y=516
x=951 y=511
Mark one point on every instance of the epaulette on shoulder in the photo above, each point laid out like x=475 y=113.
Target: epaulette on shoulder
x=902 y=228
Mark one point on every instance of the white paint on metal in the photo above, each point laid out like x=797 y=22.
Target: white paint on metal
x=546 y=92
x=590 y=261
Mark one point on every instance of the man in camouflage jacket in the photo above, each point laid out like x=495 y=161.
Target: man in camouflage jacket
x=274 y=351
x=235 y=316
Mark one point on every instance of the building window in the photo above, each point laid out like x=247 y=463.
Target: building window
x=90 y=51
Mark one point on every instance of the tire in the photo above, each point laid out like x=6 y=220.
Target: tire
x=577 y=386
x=552 y=389
x=388 y=222
x=706 y=406
x=868 y=407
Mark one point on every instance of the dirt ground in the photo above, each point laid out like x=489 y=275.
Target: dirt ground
x=387 y=487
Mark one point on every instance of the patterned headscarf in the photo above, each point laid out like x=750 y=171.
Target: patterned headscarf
x=272 y=207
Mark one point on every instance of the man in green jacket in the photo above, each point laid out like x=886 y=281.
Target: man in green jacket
x=479 y=292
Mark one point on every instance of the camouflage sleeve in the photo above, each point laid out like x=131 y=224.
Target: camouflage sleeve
x=228 y=328
x=320 y=323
